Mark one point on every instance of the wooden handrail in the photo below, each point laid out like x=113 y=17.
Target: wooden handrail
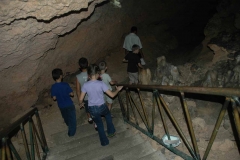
x=186 y=89
x=15 y=125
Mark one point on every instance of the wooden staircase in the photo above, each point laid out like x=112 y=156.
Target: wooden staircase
x=85 y=145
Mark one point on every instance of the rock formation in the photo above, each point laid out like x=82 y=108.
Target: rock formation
x=224 y=42
x=145 y=76
x=116 y=3
x=30 y=30
x=167 y=74
x=38 y=36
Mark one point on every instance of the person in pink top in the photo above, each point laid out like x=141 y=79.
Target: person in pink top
x=95 y=90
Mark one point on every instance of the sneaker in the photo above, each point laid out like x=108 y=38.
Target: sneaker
x=90 y=121
x=112 y=135
x=95 y=126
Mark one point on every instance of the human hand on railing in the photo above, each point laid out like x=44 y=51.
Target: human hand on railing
x=81 y=105
x=119 y=88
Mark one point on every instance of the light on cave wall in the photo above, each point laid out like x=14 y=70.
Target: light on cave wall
x=116 y=3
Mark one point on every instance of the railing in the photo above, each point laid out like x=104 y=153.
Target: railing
x=130 y=112
x=36 y=138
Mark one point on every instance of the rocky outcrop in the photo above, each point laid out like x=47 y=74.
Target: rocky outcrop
x=40 y=35
x=217 y=61
x=29 y=31
x=224 y=42
x=167 y=74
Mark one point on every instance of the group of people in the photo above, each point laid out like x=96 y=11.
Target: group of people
x=94 y=91
x=133 y=55
x=90 y=93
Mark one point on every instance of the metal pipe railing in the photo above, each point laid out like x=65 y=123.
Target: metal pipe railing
x=230 y=95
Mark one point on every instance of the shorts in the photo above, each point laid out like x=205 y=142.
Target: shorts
x=86 y=105
x=133 y=77
x=108 y=99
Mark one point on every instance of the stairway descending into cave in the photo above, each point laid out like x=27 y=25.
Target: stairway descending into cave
x=85 y=145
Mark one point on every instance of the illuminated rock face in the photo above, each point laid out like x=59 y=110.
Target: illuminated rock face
x=40 y=35
x=29 y=32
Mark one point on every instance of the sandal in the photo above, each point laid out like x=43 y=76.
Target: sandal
x=112 y=135
x=95 y=126
x=90 y=121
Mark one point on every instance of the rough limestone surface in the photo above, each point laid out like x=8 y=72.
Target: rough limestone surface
x=56 y=36
x=224 y=146
x=29 y=31
x=199 y=122
x=41 y=10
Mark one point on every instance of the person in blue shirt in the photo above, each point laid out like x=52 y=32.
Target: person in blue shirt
x=62 y=93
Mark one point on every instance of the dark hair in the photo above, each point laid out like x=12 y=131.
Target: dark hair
x=83 y=63
x=93 y=69
x=135 y=47
x=56 y=73
x=102 y=65
x=134 y=29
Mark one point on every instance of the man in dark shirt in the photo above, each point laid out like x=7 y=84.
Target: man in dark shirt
x=133 y=63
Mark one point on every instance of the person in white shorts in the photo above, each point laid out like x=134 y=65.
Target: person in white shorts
x=108 y=81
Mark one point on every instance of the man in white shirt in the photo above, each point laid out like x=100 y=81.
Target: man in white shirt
x=132 y=39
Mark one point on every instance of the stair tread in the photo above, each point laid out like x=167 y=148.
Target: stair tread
x=82 y=131
x=113 y=147
x=154 y=156
x=121 y=132
x=85 y=145
x=135 y=152
x=87 y=148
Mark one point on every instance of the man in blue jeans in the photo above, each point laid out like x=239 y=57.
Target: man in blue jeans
x=61 y=91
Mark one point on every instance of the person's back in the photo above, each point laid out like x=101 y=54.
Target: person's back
x=108 y=81
x=80 y=80
x=104 y=76
x=131 y=39
x=61 y=92
x=95 y=91
x=133 y=63
x=97 y=107
x=133 y=60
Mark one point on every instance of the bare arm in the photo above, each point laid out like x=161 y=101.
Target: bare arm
x=124 y=60
x=71 y=94
x=54 y=98
x=78 y=88
x=81 y=104
x=113 y=82
x=126 y=51
x=141 y=52
x=140 y=66
x=113 y=94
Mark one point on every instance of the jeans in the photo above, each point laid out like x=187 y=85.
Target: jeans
x=69 y=116
x=96 y=113
x=86 y=105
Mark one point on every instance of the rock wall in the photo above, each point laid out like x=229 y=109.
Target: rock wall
x=223 y=38
x=216 y=61
x=29 y=32
x=40 y=35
